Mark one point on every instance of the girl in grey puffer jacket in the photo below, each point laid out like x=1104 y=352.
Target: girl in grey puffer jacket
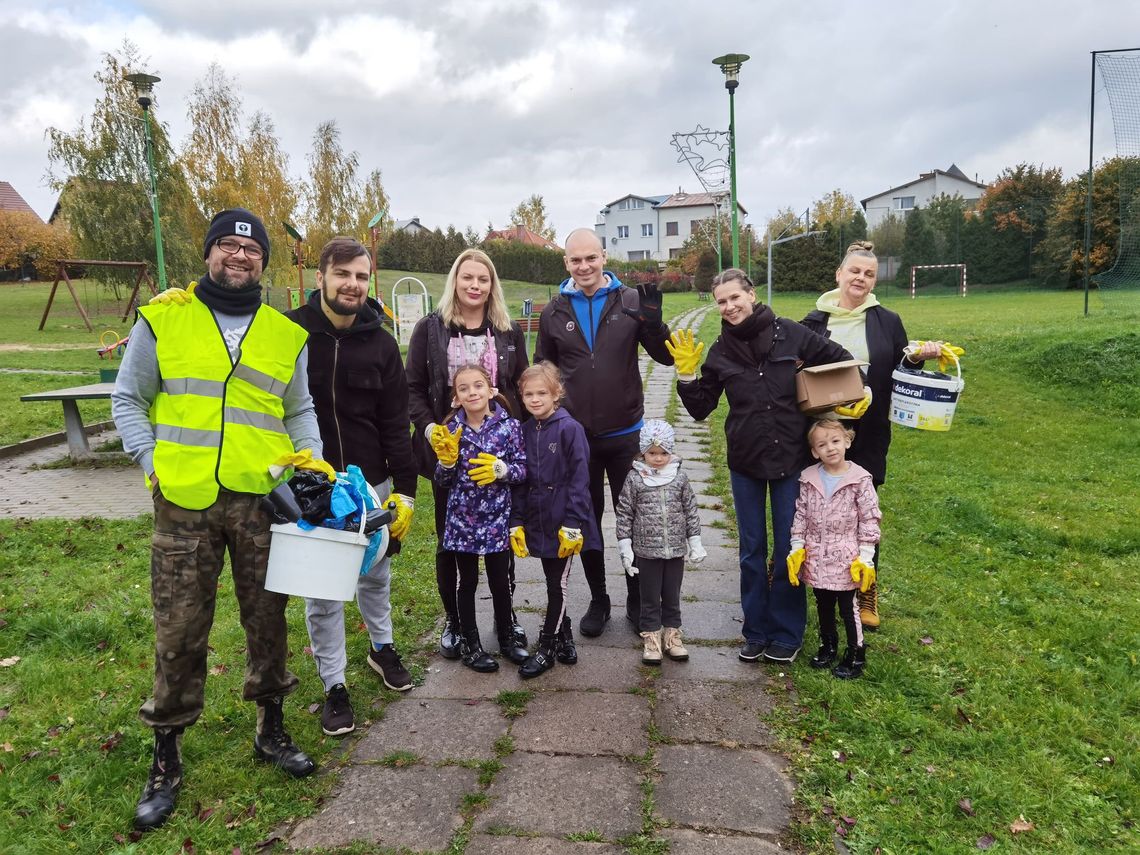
x=657 y=526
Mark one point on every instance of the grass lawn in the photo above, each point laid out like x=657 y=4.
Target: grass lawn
x=1002 y=685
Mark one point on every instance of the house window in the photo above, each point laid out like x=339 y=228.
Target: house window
x=638 y=255
x=637 y=203
x=647 y=229
x=694 y=226
x=675 y=252
x=623 y=231
x=904 y=203
x=671 y=229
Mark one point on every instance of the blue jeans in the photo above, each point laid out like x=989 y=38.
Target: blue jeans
x=776 y=613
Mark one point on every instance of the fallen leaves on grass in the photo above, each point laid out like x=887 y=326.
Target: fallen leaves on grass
x=1021 y=825
x=9 y=662
x=238 y=818
x=966 y=806
x=986 y=841
x=962 y=715
x=220 y=668
x=926 y=639
x=111 y=741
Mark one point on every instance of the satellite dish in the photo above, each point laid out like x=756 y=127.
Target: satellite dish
x=613 y=241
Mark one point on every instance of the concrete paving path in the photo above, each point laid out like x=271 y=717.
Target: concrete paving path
x=606 y=756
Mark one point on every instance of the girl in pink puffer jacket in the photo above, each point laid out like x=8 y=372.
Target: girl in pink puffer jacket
x=833 y=542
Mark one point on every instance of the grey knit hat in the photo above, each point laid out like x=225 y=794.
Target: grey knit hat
x=656 y=432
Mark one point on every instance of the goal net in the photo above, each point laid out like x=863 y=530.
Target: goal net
x=1120 y=73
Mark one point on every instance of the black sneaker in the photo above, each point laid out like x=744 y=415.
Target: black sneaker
x=781 y=653
x=337 y=718
x=593 y=622
x=750 y=651
x=386 y=662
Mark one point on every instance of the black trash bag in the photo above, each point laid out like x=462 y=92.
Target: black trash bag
x=281 y=505
x=313 y=492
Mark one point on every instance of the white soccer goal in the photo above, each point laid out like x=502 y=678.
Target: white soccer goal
x=961 y=270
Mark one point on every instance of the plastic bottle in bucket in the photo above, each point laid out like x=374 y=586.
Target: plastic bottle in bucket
x=925 y=400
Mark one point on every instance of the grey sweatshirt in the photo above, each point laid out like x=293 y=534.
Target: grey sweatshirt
x=138 y=383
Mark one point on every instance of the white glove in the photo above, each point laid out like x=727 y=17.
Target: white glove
x=867 y=554
x=625 y=550
x=697 y=552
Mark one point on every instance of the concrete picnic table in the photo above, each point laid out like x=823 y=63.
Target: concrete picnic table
x=77 y=446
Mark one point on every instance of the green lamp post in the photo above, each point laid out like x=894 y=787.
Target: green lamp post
x=730 y=64
x=144 y=87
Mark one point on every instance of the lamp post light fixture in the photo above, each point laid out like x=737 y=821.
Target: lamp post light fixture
x=144 y=88
x=730 y=64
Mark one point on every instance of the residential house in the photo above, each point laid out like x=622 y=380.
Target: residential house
x=412 y=226
x=901 y=200
x=636 y=228
x=521 y=234
x=11 y=200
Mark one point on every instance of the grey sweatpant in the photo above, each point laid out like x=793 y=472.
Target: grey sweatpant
x=325 y=618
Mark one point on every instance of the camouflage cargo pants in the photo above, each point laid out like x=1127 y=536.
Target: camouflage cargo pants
x=187 y=551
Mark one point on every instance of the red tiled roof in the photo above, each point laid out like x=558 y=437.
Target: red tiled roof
x=523 y=235
x=10 y=200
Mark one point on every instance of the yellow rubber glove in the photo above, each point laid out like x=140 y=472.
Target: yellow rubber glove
x=856 y=410
x=795 y=562
x=863 y=573
x=949 y=357
x=486 y=468
x=686 y=355
x=177 y=296
x=302 y=459
x=570 y=541
x=518 y=542
x=445 y=444
x=404 y=505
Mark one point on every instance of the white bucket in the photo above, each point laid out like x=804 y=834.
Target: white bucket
x=925 y=399
x=321 y=563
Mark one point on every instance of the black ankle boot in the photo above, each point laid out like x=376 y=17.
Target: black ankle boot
x=157 y=801
x=273 y=743
x=825 y=656
x=854 y=661
x=564 y=648
x=518 y=634
x=474 y=656
x=593 y=622
x=543 y=659
x=510 y=649
x=449 y=641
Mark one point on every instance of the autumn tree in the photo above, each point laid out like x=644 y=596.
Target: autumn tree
x=532 y=214
x=29 y=246
x=332 y=192
x=888 y=235
x=373 y=200
x=268 y=189
x=101 y=173
x=211 y=154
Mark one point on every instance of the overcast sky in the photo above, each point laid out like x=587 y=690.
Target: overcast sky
x=469 y=106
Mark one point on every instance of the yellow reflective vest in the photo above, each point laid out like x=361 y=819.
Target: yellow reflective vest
x=219 y=423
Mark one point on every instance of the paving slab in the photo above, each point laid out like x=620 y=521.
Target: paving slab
x=716 y=663
x=711 y=621
x=415 y=807
x=709 y=584
x=705 y=711
x=434 y=729
x=685 y=842
x=584 y=723
x=603 y=796
x=486 y=844
x=722 y=789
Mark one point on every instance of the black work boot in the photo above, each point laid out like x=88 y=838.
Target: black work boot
x=854 y=661
x=157 y=801
x=474 y=656
x=825 y=656
x=543 y=659
x=273 y=744
x=564 y=648
x=593 y=622
x=449 y=641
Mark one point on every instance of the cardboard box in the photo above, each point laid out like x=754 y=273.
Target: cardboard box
x=820 y=388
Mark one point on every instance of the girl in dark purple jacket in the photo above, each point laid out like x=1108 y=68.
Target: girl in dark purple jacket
x=551 y=513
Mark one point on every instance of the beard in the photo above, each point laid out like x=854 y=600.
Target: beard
x=225 y=281
x=339 y=307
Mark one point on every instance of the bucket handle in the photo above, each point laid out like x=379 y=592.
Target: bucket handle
x=903 y=365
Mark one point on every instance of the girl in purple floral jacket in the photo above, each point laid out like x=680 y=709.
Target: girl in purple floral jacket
x=478 y=466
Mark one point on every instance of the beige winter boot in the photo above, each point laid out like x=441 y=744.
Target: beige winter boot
x=674 y=649
x=651 y=654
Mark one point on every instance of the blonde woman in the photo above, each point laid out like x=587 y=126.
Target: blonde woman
x=471 y=325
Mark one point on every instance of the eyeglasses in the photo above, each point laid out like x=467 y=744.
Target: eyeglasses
x=231 y=247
